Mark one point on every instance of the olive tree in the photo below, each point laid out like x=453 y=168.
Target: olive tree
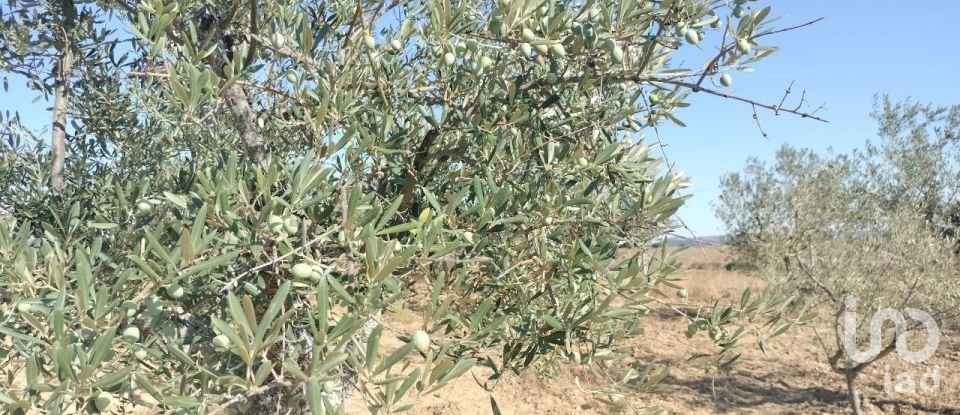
x=860 y=232
x=50 y=44
x=255 y=183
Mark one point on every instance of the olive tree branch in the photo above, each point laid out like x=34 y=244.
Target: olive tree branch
x=236 y=280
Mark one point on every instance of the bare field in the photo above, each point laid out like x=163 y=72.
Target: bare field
x=792 y=378
x=705 y=275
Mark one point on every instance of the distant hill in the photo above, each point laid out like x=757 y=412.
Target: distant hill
x=680 y=241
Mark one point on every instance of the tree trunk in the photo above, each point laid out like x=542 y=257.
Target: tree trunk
x=852 y=386
x=237 y=99
x=246 y=120
x=61 y=76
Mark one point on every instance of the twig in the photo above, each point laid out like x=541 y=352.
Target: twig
x=733 y=97
x=224 y=406
x=803 y=98
x=679 y=81
x=450 y=259
x=236 y=280
x=787 y=29
x=648 y=52
x=833 y=297
x=785 y=94
x=715 y=62
x=757 y=119
x=913 y=287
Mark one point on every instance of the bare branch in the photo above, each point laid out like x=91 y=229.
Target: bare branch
x=757 y=119
x=785 y=95
x=787 y=29
x=833 y=297
x=774 y=108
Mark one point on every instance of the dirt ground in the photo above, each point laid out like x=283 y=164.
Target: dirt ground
x=791 y=378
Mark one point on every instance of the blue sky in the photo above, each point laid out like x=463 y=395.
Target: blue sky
x=861 y=48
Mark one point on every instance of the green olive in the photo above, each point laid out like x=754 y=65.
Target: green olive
x=131 y=334
x=496 y=26
x=103 y=401
x=528 y=35
x=557 y=50
x=130 y=308
x=291 y=225
x=275 y=223
x=221 y=342
x=726 y=80
x=617 y=55
x=526 y=49
x=316 y=272
x=174 y=291
x=301 y=270
x=277 y=40
x=485 y=62
x=738 y=12
x=609 y=44
x=716 y=334
x=421 y=340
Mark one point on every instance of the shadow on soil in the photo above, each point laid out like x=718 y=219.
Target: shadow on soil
x=735 y=392
x=740 y=391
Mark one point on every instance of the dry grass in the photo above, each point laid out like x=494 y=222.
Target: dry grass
x=706 y=276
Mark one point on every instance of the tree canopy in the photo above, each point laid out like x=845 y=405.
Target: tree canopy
x=876 y=226
x=235 y=192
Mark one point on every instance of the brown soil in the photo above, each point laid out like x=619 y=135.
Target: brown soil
x=792 y=378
